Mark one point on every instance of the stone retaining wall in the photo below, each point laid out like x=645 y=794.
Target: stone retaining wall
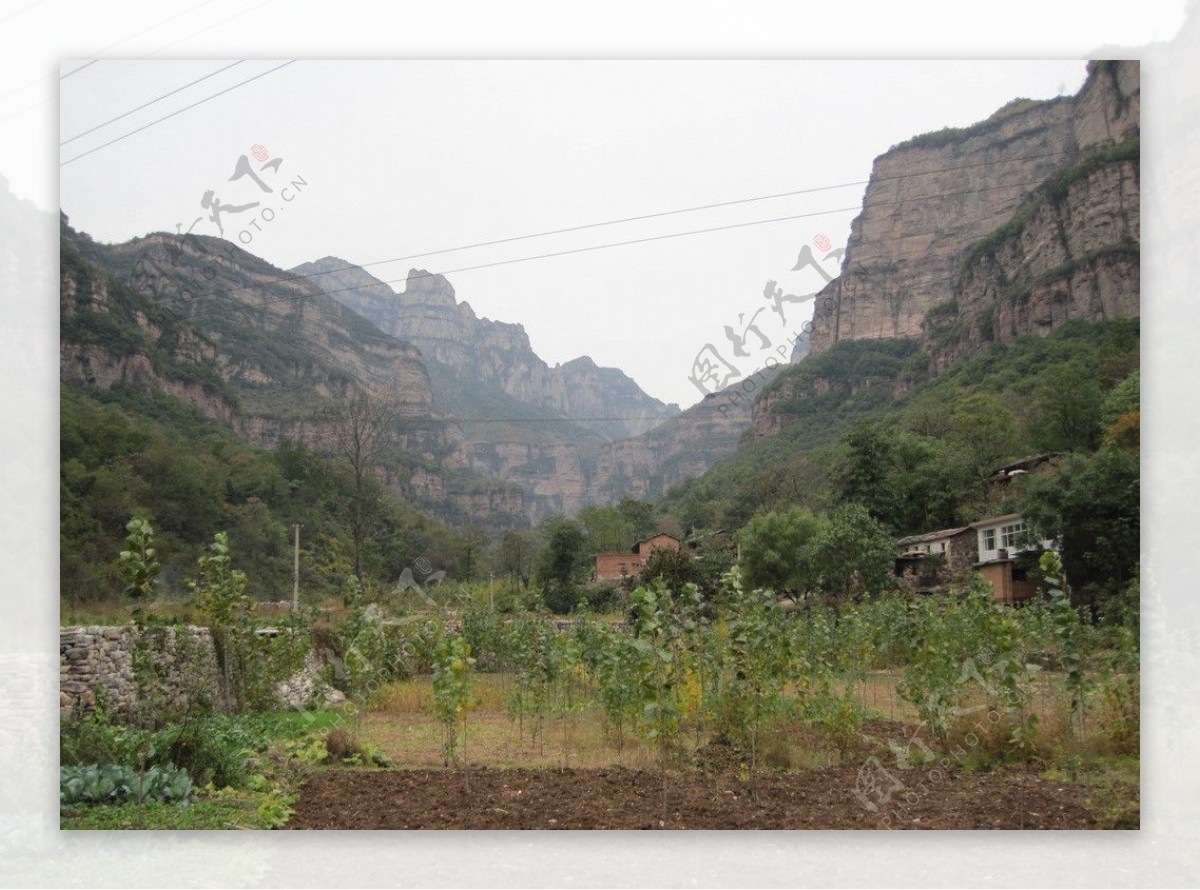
x=100 y=659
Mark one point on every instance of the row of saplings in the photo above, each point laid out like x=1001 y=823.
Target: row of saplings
x=723 y=673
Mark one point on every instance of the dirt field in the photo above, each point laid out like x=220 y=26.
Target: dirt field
x=481 y=798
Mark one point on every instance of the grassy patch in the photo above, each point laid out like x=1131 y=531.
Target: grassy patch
x=221 y=812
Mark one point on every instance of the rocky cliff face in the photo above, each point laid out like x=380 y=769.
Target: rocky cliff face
x=975 y=236
x=218 y=328
x=274 y=352
x=931 y=199
x=428 y=314
x=1072 y=253
x=645 y=466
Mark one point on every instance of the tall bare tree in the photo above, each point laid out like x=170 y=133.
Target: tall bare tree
x=364 y=427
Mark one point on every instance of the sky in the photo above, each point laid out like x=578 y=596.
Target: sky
x=399 y=164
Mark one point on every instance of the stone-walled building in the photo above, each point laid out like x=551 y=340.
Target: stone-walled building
x=937 y=558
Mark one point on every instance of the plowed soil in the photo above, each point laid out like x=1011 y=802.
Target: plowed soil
x=482 y=798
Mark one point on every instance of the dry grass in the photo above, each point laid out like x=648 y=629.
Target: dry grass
x=400 y=722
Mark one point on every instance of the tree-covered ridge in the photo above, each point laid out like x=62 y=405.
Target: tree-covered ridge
x=868 y=426
x=127 y=452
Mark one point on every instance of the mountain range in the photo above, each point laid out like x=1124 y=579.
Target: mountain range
x=967 y=238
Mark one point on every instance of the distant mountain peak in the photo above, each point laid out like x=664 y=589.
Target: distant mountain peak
x=424 y=288
x=583 y=361
x=427 y=314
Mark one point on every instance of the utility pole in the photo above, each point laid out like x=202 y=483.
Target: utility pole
x=296 y=571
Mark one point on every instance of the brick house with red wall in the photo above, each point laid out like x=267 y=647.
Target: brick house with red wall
x=617 y=564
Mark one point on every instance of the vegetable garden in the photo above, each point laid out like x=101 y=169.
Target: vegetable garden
x=731 y=709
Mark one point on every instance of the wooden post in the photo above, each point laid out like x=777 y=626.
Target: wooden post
x=296 y=571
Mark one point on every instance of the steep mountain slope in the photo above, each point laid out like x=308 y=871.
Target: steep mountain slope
x=972 y=245
x=971 y=237
x=216 y=327
x=646 y=466
x=538 y=426
x=428 y=314
x=933 y=198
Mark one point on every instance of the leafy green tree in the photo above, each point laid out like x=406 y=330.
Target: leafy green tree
x=221 y=597
x=1126 y=396
x=675 y=567
x=452 y=694
x=779 y=551
x=907 y=482
x=1091 y=506
x=986 y=430
x=1067 y=408
x=657 y=636
x=854 y=552
x=562 y=564
x=759 y=659
x=139 y=564
x=863 y=474
x=517 y=555
x=639 y=516
x=606 y=529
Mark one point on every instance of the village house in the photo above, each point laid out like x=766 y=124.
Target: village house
x=1002 y=541
x=934 y=559
x=617 y=564
x=992 y=547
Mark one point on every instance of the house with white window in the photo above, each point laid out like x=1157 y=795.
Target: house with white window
x=1002 y=540
x=999 y=549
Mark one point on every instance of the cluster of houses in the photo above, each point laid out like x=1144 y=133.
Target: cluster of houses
x=999 y=549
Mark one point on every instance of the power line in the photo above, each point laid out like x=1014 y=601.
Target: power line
x=560 y=253
x=658 y=215
x=28 y=6
x=30 y=83
x=151 y=102
x=175 y=113
x=153 y=27
x=632 y=241
x=77 y=70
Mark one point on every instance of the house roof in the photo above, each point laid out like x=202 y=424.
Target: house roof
x=1007 y=517
x=932 y=536
x=1025 y=463
x=636 y=548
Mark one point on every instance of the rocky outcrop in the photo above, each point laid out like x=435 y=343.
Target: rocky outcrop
x=258 y=350
x=1074 y=253
x=971 y=237
x=428 y=314
x=646 y=466
x=931 y=199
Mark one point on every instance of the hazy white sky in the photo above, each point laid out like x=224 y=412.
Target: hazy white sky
x=404 y=158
